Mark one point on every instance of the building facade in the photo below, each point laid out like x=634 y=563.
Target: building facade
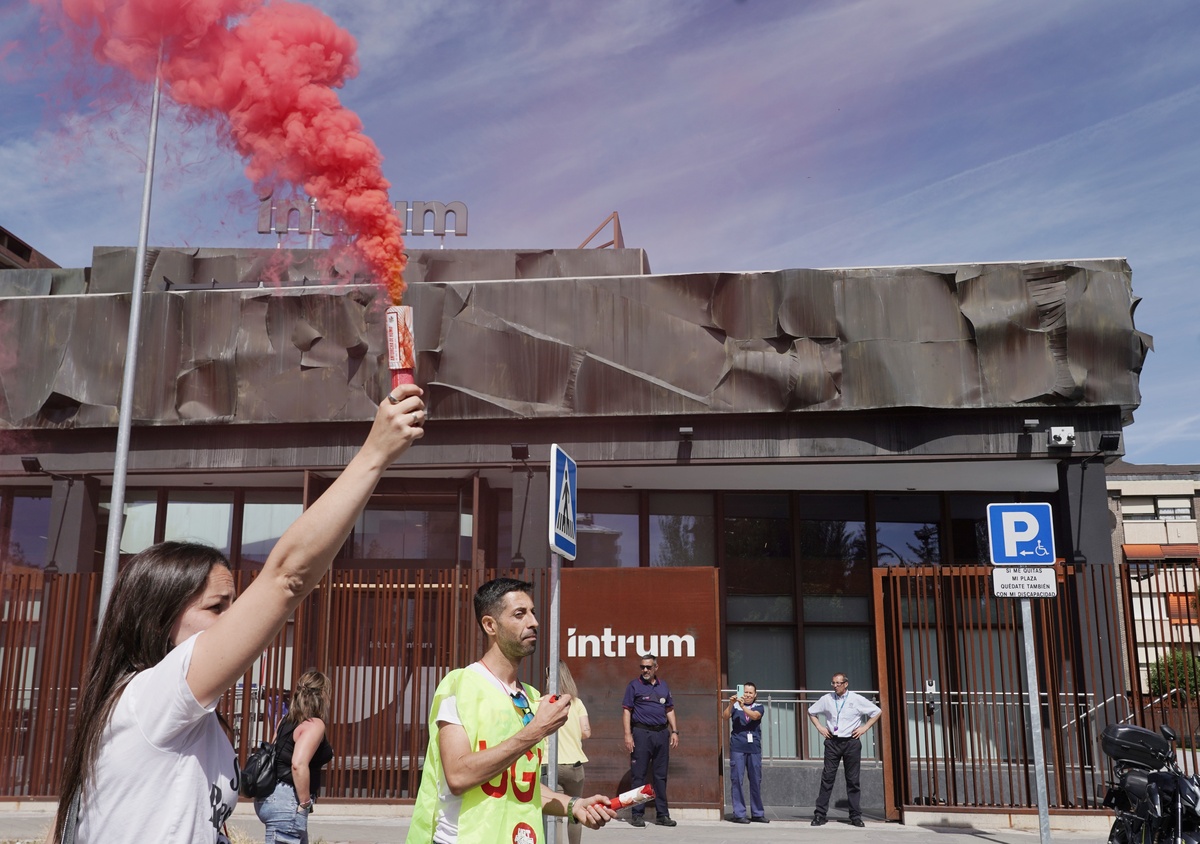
x=801 y=433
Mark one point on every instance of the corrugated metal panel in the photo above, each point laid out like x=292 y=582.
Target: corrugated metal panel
x=972 y=337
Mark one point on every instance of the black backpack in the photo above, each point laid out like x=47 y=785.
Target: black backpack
x=258 y=777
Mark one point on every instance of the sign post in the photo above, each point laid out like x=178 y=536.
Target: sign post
x=1021 y=543
x=562 y=520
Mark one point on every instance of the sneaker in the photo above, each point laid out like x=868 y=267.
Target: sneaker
x=818 y=820
x=637 y=820
x=664 y=820
x=758 y=819
x=857 y=822
x=739 y=820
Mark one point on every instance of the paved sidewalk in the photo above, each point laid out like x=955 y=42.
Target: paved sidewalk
x=29 y=823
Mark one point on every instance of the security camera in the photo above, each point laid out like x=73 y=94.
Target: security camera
x=1063 y=436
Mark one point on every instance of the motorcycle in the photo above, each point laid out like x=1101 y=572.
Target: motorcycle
x=1154 y=800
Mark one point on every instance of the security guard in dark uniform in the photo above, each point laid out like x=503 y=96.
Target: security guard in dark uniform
x=650 y=733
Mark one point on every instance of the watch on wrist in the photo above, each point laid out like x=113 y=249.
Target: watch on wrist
x=674 y=732
x=571 y=811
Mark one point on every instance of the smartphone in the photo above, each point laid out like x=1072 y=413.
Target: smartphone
x=741 y=690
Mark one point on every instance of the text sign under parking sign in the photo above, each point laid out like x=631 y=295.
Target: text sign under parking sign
x=563 y=503
x=1021 y=534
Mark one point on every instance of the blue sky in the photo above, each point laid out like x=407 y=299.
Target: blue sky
x=751 y=135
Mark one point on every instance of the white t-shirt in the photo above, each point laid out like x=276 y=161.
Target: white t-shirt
x=166 y=772
x=445 y=827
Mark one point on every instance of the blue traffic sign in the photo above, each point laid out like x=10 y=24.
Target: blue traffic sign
x=563 y=503
x=1021 y=534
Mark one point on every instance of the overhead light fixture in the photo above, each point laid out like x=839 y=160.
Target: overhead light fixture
x=33 y=466
x=1031 y=425
x=685 y=433
x=1109 y=442
x=520 y=451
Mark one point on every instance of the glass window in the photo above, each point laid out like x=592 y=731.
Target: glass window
x=200 y=517
x=607 y=529
x=141 y=515
x=28 y=541
x=760 y=579
x=968 y=526
x=833 y=650
x=835 y=572
x=765 y=655
x=428 y=536
x=682 y=528
x=265 y=516
x=1175 y=509
x=907 y=529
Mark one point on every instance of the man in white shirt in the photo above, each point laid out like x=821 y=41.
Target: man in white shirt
x=848 y=717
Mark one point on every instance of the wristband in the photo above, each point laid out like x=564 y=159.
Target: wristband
x=674 y=732
x=571 y=811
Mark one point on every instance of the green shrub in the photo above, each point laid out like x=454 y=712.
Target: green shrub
x=1176 y=670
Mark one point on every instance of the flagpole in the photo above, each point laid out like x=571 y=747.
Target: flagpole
x=116 y=512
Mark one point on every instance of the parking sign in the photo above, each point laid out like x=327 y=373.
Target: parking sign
x=1021 y=534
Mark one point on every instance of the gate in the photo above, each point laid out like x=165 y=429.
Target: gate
x=952 y=675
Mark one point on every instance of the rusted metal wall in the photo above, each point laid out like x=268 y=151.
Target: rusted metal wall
x=953 y=337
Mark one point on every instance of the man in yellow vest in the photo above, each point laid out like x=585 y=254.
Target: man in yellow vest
x=481 y=783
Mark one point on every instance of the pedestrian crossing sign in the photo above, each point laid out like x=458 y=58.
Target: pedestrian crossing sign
x=563 y=503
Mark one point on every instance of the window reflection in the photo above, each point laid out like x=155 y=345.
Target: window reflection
x=141 y=516
x=205 y=517
x=607 y=529
x=681 y=529
x=968 y=526
x=908 y=530
x=426 y=536
x=759 y=572
x=29 y=538
x=265 y=516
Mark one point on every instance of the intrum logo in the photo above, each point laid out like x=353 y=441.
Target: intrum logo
x=617 y=645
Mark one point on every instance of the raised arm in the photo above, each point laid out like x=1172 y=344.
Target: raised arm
x=303 y=554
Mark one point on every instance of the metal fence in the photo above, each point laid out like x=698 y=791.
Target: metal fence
x=1118 y=644
x=385 y=637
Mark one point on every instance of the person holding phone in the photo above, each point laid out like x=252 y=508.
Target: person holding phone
x=745 y=752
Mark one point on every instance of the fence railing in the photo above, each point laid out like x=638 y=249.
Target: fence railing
x=787 y=732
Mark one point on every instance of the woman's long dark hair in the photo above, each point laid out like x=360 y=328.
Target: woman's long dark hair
x=152 y=591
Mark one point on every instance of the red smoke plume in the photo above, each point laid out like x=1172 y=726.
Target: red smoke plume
x=269 y=72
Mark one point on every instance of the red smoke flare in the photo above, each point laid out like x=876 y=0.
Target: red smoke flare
x=269 y=72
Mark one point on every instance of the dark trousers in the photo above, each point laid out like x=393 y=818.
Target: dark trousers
x=751 y=765
x=848 y=751
x=651 y=752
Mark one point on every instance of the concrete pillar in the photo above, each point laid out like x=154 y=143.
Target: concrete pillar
x=71 y=543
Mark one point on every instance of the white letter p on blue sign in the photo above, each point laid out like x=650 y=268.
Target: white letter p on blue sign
x=1021 y=534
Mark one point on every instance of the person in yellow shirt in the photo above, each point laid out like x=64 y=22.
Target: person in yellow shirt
x=482 y=783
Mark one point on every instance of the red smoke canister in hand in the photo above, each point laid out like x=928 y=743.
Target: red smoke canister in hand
x=632 y=797
x=400 y=344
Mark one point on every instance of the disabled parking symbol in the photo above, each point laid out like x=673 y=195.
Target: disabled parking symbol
x=1021 y=534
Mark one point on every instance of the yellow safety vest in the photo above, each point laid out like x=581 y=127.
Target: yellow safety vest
x=509 y=807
